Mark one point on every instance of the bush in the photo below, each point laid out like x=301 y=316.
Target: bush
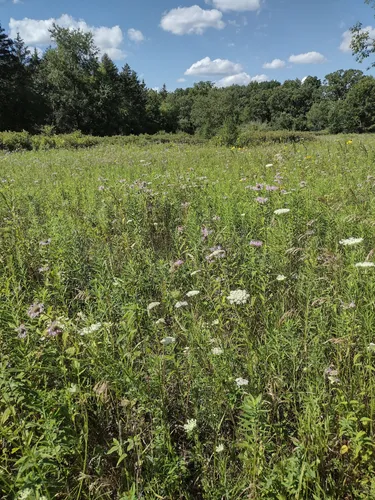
x=15 y=141
x=254 y=138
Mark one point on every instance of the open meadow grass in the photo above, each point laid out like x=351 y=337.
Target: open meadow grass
x=188 y=322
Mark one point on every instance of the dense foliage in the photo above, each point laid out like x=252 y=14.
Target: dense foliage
x=188 y=322
x=70 y=89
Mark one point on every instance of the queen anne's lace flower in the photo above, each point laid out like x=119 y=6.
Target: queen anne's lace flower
x=217 y=351
x=178 y=305
x=91 y=329
x=168 y=340
x=365 y=264
x=351 y=241
x=241 y=381
x=281 y=277
x=190 y=425
x=281 y=211
x=238 y=297
x=152 y=305
x=193 y=293
x=219 y=448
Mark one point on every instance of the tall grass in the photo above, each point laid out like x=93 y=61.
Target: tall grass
x=108 y=390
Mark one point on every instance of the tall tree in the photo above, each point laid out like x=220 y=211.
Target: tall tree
x=362 y=44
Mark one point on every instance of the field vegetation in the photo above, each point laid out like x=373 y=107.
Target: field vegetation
x=186 y=321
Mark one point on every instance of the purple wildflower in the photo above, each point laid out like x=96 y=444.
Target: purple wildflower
x=271 y=188
x=257 y=187
x=256 y=243
x=261 y=200
x=35 y=310
x=177 y=264
x=180 y=229
x=206 y=232
x=54 y=329
x=22 y=331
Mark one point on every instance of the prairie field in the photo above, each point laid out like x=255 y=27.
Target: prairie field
x=188 y=322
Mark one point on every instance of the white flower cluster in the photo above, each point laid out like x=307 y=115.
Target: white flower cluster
x=91 y=329
x=238 y=297
x=281 y=211
x=190 y=425
x=365 y=264
x=351 y=241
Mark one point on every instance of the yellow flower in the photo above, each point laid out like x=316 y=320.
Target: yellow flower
x=308 y=157
x=349 y=142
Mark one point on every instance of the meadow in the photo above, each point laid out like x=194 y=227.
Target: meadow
x=188 y=322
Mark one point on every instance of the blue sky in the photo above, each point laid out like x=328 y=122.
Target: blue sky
x=226 y=41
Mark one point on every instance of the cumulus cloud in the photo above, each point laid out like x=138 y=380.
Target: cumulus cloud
x=348 y=35
x=275 y=64
x=35 y=32
x=308 y=58
x=240 y=79
x=216 y=67
x=191 y=20
x=235 y=5
x=135 y=35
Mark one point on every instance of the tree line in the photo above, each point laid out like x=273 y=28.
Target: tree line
x=70 y=88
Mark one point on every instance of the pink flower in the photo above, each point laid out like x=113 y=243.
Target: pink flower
x=256 y=243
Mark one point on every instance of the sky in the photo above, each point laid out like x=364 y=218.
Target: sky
x=179 y=42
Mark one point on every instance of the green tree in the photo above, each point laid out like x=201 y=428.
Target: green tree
x=339 y=83
x=362 y=44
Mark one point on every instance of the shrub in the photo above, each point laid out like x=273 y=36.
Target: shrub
x=15 y=141
x=253 y=138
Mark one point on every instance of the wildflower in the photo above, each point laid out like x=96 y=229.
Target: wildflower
x=177 y=264
x=351 y=241
x=190 y=425
x=168 y=341
x=256 y=243
x=349 y=142
x=281 y=211
x=216 y=217
x=152 y=305
x=193 y=293
x=365 y=264
x=257 y=187
x=91 y=329
x=160 y=321
x=54 y=329
x=101 y=188
x=261 y=200
x=271 y=188
x=178 y=305
x=43 y=269
x=219 y=448
x=351 y=305
x=371 y=347
x=331 y=375
x=303 y=184
x=206 y=232
x=186 y=204
x=269 y=165
x=180 y=229
x=241 y=381
x=45 y=243
x=281 y=277
x=238 y=297
x=35 y=310
x=216 y=351
x=22 y=331
x=186 y=351
x=215 y=322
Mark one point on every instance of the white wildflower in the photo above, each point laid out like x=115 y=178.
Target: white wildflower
x=181 y=304
x=269 y=165
x=216 y=253
x=365 y=264
x=281 y=277
x=351 y=241
x=193 y=293
x=152 y=305
x=25 y=494
x=371 y=347
x=160 y=321
x=168 y=340
x=281 y=211
x=190 y=425
x=219 y=448
x=238 y=297
x=241 y=381
x=186 y=351
x=91 y=329
x=217 y=351
x=215 y=322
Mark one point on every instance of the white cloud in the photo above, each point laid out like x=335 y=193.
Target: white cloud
x=275 y=64
x=191 y=20
x=348 y=35
x=135 y=35
x=240 y=79
x=216 y=67
x=236 y=5
x=308 y=58
x=181 y=80
x=17 y=1
x=36 y=32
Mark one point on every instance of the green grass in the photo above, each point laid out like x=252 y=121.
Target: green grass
x=99 y=413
